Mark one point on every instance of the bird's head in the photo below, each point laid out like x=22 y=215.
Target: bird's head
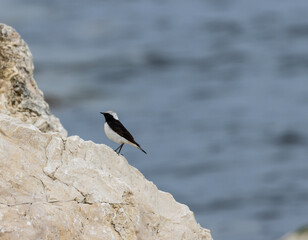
x=110 y=114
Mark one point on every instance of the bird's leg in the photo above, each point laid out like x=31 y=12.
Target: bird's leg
x=117 y=148
x=120 y=148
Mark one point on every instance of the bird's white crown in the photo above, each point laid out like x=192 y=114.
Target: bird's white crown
x=114 y=114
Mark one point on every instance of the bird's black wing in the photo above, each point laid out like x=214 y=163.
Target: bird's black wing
x=118 y=127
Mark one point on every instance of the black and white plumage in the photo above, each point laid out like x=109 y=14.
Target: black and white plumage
x=116 y=132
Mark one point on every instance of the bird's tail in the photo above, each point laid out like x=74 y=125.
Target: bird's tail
x=142 y=150
x=138 y=146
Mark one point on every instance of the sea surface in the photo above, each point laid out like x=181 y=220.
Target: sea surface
x=215 y=91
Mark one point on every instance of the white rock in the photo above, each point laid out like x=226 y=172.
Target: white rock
x=19 y=94
x=90 y=192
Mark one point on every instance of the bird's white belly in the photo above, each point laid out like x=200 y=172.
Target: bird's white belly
x=113 y=136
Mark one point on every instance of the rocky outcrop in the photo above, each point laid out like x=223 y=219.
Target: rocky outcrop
x=58 y=187
x=19 y=94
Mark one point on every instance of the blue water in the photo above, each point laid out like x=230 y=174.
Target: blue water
x=215 y=91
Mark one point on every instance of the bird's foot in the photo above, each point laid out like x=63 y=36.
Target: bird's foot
x=118 y=153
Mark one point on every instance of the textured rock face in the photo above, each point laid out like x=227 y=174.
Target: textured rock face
x=55 y=188
x=19 y=94
x=58 y=187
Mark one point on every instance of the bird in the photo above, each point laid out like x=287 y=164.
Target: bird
x=116 y=132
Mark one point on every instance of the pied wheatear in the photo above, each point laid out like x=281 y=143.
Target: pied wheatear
x=116 y=132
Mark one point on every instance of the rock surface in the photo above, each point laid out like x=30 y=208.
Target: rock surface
x=19 y=94
x=58 y=187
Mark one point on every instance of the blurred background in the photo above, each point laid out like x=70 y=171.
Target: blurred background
x=215 y=91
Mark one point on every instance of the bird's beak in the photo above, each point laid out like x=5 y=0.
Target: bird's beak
x=103 y=113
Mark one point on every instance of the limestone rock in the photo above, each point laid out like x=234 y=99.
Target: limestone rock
x=19 y=94
x=66 y=188
x=58 y=187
